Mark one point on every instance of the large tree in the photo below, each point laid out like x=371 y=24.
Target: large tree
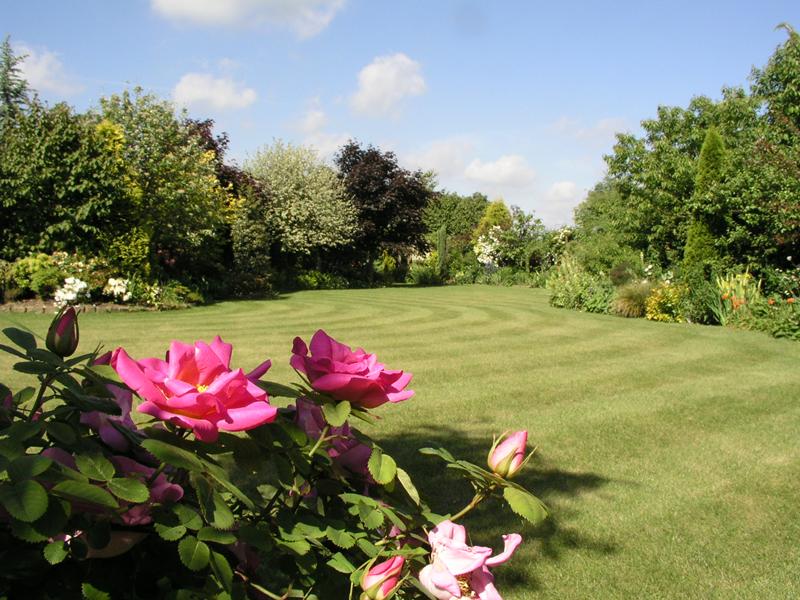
x=13 y=87
x=390 y=202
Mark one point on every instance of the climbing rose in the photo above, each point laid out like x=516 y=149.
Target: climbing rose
x=380 y=582
x=508 y=455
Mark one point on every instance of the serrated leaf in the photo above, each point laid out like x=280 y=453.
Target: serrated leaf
x=194 y=554
x=336 y=413
x=23 y=339
x=11 y=350
x=187 y=516
x=405 y=480
x=209 y=534
x=129 y=489
x=95 y=466
x=85 y=492
x=212 y=504
x=440 y=452
x=92 y=593
x=61 y=432
x=299 y=547
x=340 y=537
x=28 y=466
x=368 y=547
x=27 y=533
x=373 y=520
x=172 y=455
x=32 y=368
x=526 y=505
x=339 y=563
x=381 y=466
x=55 y=552
x=170 y=533
x=25 y=500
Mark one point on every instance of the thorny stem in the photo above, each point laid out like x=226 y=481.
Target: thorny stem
x=477 y=499
x=319 y=440
x=40 y=397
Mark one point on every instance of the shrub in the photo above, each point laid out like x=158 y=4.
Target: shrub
x=622 y=273
x=45 y=281
x=385 y=267
x=572 y=287
x=666 y=302
x=319 y=280
x=631 y=299
x=423 y=273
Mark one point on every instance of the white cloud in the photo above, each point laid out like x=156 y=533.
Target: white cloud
x=45 y=72
x=306 y=18
x=601 y=132
x=447 y=157
x=511 y=170
x=385 y=83
x=563 y=192
x=312 y=124
x=204 y=90
x=314 y=119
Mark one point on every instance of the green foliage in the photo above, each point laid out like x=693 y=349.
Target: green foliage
x=425 y=272
x=129 y=252
x=308 y=208
x=631 y=299
x=573 y=287
x=386 y=267
x=13 y=87
x=496 y=214
x=699 y=252
x=251 y=244
x=665 y=303
x=319 y=280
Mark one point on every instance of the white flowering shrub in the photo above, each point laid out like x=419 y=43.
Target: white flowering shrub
x=118 y=288
x=74 y=291
x=487 y=248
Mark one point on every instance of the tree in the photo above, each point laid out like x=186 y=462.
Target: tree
x=13 y=87
x=389 y=199
x=309 y=210
x=178 y=208
x=459 y=215
x=496 y=214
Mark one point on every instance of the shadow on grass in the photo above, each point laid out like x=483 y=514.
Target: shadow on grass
x=447 y=493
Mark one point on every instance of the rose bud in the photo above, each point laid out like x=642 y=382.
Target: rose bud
x=62 y=337
x=380 y=582
x=507 y=456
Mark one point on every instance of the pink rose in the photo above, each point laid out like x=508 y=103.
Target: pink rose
x=345 y=449
x=346 y=374
x=196 y=388
x=461 y=571
x=380 y=582
x=507 y=456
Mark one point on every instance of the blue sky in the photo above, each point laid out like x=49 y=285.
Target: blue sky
x=518 y=100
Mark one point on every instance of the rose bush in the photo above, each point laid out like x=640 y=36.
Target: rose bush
x=177 y=478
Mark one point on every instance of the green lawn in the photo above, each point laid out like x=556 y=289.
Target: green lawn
x=669 y=454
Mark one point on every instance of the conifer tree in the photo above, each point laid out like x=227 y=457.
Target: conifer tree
x=13 y=87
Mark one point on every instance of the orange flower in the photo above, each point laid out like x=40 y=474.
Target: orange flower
x=771 y=301
x=725 y=296
x=790 y=300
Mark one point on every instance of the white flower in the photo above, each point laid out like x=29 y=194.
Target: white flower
x=73 y=291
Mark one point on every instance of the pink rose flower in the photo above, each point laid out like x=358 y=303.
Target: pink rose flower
x=196 y=389
x=380 y=582
x=345 y=449
x=461 y=571
x=346 y=374
x=508 y=455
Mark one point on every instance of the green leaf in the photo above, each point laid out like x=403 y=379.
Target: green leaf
x=373 y=520
x=188 y=517
x=92 y=593
x=194 y=554
x=55 y=552
x=28 y=466
x=368 y=547
x=381 y=466
x=340 y=537
x=25 y=500
x=526 y=505
x=85 y=492
x=440 y=452
x=170 y=533
x=172 y=455
x=23 y=339
x=212 y=504
x=209 y=534
x=11 y=350
x=299 y=547
x=222 y=569
x=278 y=390
x=33 y=368
x=129 y=489
x=95 y=466
x=339 y=563
x=336 y=413
x=408 y=485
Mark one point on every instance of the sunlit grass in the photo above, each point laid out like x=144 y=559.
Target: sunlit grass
x=669 y=454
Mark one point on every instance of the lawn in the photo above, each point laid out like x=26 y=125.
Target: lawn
x=669 y=454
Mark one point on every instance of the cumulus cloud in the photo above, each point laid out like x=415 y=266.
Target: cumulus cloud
x=45 y=72
x=447 y=157
x=306 y=18
x=385 y=83
x=312 y=125
x=511 y=170
x=563 y=192
x=206 y=91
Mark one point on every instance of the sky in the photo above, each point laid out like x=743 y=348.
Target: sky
x=518 y=100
